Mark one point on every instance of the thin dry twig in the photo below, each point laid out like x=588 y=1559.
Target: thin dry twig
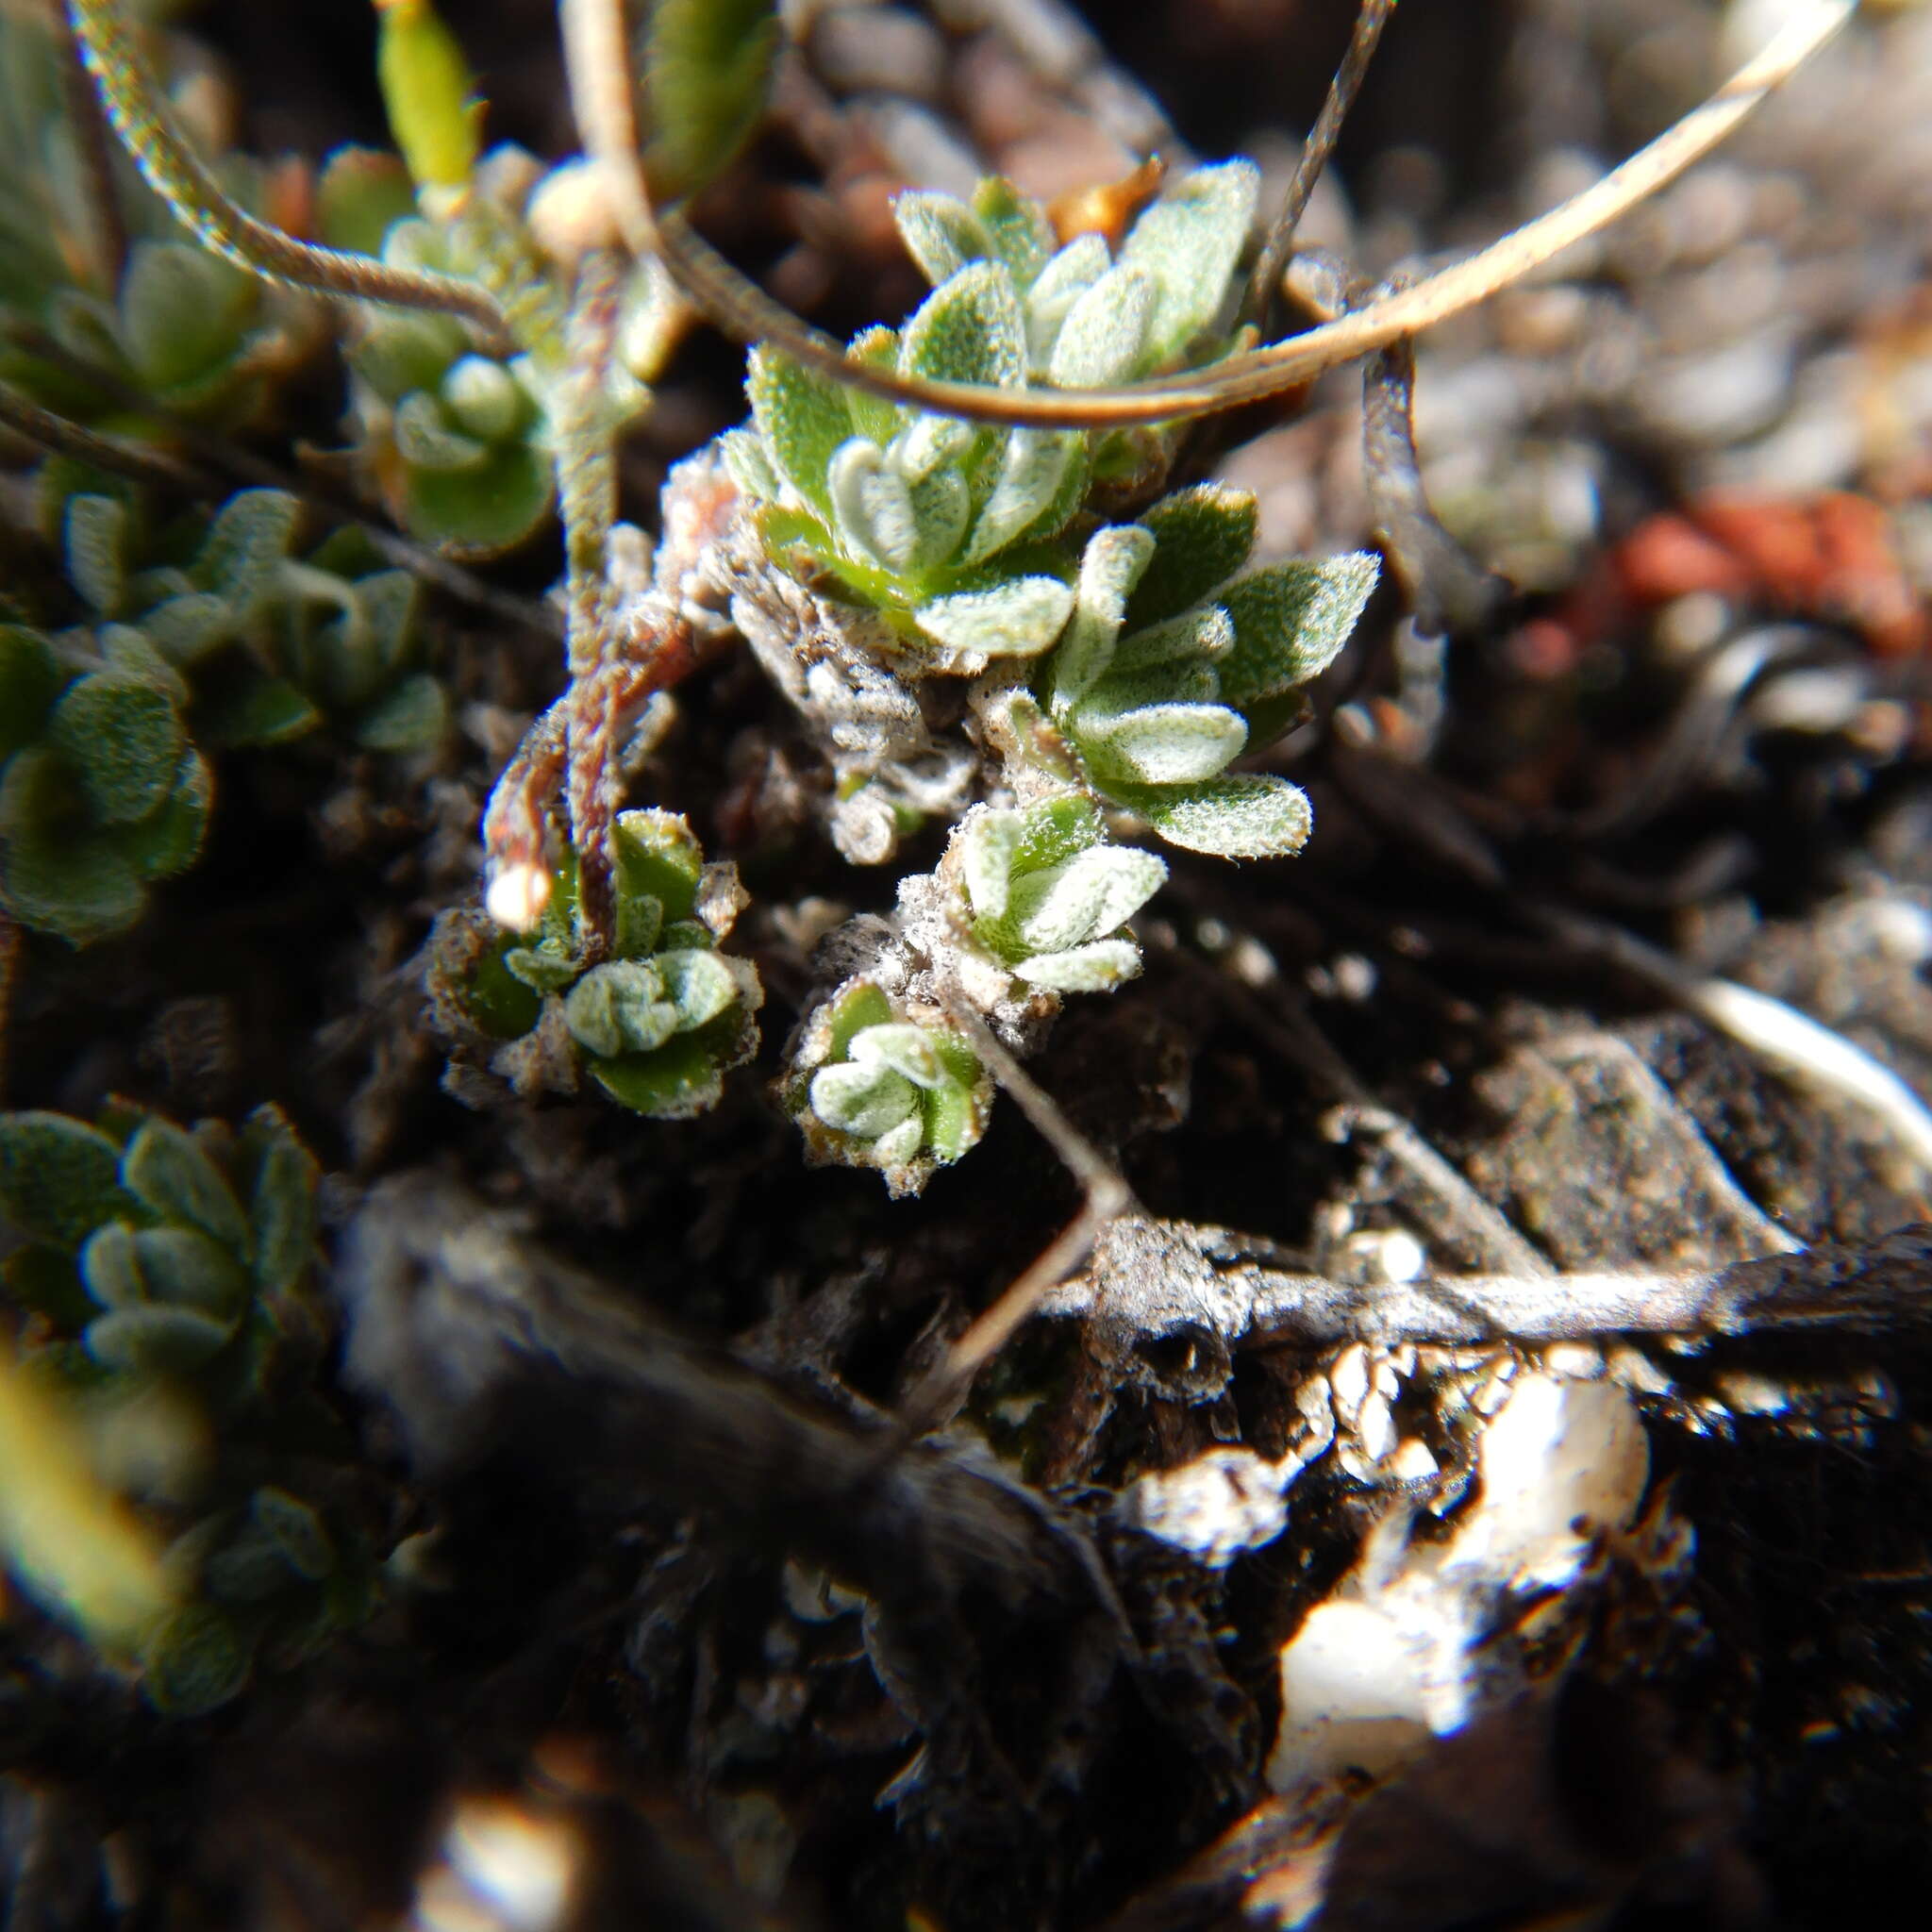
x=734 y=303
x=1263 y=292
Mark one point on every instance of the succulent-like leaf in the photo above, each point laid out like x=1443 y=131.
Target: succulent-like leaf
x=483 y=398
x=122 y=740
x=248 y=539
x=871 y=507
x=873 y=416
x=54 y=877
x=296 y=1531
x=1017 y=618
x=1189 y=242
x=111 y=1268
x=1082 y=899
x=619 y=1007
x=1110 y=567
x=166 y=1168
x=1291 y=622
x=969 y=329
x=750 y=468
x=93 y=551
x=412 y=716
x=360 y=192
x=183 y=1269
x=1163 y=744
x=1061 y=282
x=405 y=353
x=1033 y=464
x=989 y=844
x=707 y=65
x=59 y=1178
x=941 y=234
x=147 y=1340
x=169 y=841
x=863 y=1098
x=481 y=510
x=1202 y=537
x=30 y=680
x=698 y=984
x=684 y=1078
x=1097 y=968
x=196 y=1662
x=1101 y=340
x=657 y=855
x=182 y=310
x=801 y=419
x=908 y=1050
x=1021 y=232
x=426 y=440
x=1200 y=637
x=1239 y=815
x=282 y=1205
x=428 y=93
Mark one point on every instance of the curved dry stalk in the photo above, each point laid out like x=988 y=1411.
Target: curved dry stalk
x=1371 y=16
x=734 y=303
x=140 y=118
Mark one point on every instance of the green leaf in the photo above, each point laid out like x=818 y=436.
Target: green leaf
x=183 y=312
x=110 y=1269
x=405 y=353
x=861 y=1005
x=1236 y=816
x=1292 y=621
x=969 y=329
x=1189 y=242
x=989 y=844
x=248 y=539
x=544 y=968
x=56 y=876
x=1017 y=618
x=1062 y=283
x=29 y=682
x=296 y=1531
x=682 y=1078
x=906 y=1049
x=94 y=551
x=149 y=1341
x=500 y=1004
x=1162 y=744
x=481 y=510
x=657 y=855
x=169 y=841
x=281 y=1207
x=803 y=419
x=863 y=1099
x=183 y=1269
x=428 y=93
x=1082 y=899
x=619 y=1007
x=750 y=468
x=412 y=717
x=59 y=1178
x=1018 y=226
x=1101 y=339
x=189 y=626
x=196 y=1662
x=871 y=507
x=956 y=1112
x=1097 y=968
x=166 y=1168
x=257 y=709
x=426 y=440
x=122 y=741
x=1202 y=537
x=43 y=1281
x=1033 y=464
x=362 y=192
x=483 y=399
x=698 y=984
x=873 y=416
x=941 y=234
x=706 y=69
x=1110 y=567
x=1199 y=638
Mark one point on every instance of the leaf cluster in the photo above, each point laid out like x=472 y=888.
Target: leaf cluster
x=174 y=1268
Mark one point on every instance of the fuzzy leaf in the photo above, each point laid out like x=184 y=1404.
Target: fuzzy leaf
x=1202 y=537
x=864 y=1100
x=1101 y=339
x=111 y=1268
x=941 y=234
x=59 y=1178
x=856 y=1008
x=969 y=329
x=698 y=984
x=249 y=537
x=29 y=682
x=257 y=710
x=803 y=419
x=1236 y=816
x=898 y=1146
x=906 y=1049
x=987 y=847
x=750 y=468
x=412 y=717
x=1189 y=242
x=150 y=1341
x=706 y=69
x=183 y=1269
x=187 y=628
x=1291 y=622
x=1163 y=744
x=404 y=353
x=51 y=877
x=941 y=506
x=426 y=440
x=1021 y=232
x=1060 y=284
x=1109 y=566
x=361 y=192
x=169 y=841
x=619 y=1007
x=956 y=1111
x=1097 y=968
x=122 y=740
x=94 y=551
x=1055 y=830
x=1033 y=465
x=282 y=1207
x=1198 y=638
x=1084 y=899
x=166 y=1168
x=871 y=507
x=1017 y=618
x=658 y=857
